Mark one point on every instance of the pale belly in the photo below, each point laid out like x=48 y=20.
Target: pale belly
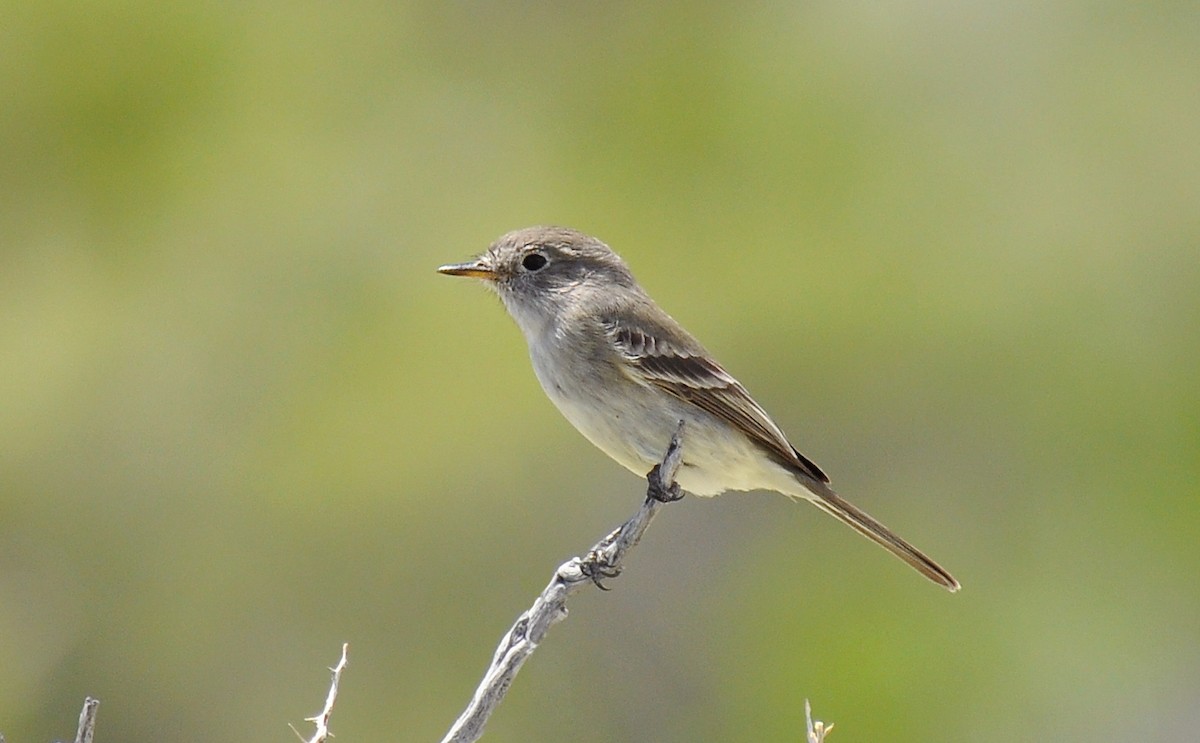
x=634 y=426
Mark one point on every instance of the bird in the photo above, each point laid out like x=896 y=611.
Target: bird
x=628 y=376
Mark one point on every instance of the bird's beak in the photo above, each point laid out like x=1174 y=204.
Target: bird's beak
x=476 y=269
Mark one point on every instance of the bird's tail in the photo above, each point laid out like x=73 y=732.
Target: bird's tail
x=830 y=502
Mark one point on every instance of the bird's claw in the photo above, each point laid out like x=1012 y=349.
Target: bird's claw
x=660 y=491
x=596 y=568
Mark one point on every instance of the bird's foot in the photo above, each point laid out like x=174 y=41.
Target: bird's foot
x=663 y=492
x=596 y=568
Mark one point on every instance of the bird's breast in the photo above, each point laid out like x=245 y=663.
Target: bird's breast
x=633 y=423
x=602 y=402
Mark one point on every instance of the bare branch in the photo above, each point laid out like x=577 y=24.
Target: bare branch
x=87 y=721
x=604 y=560
x=321 y=720
x=816 y=730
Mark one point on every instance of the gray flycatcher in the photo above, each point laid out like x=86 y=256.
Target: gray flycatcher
x=625 y=374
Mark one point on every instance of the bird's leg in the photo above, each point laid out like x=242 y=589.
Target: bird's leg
x=604 y=560
x=661 y=485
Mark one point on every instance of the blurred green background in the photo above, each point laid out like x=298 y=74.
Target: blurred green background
x=954 y=248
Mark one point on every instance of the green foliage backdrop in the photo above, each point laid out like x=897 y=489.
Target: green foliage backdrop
x=955 y=249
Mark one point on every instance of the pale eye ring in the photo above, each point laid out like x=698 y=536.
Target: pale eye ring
x=534 y=262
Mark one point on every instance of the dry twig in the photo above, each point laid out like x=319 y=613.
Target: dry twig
x=816 y=730
x=87 y=721
x=603 y=561
x=321 y=719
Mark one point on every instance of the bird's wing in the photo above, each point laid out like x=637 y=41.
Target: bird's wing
x=686 y=371
x=691 y=375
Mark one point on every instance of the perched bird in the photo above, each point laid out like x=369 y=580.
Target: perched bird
x=625 y=374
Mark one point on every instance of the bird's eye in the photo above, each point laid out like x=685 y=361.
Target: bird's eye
x=534 y=261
